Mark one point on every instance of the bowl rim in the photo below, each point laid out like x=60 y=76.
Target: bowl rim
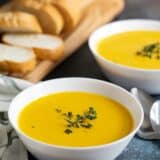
x=133 y=132
x=121 y=66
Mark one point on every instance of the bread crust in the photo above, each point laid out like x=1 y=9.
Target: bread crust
x=19 y=22
x=70 y=12
x=49 y=16
x=49 y=54
x=65 y=14
x=16 y=67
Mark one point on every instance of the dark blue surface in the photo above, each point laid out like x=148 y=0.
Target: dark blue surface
x=141 y=150
x=82 y=64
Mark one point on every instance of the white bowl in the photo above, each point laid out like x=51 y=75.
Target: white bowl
x=45 y=151
x=128 y=77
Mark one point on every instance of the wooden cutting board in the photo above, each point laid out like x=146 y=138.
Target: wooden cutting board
x=97 y=14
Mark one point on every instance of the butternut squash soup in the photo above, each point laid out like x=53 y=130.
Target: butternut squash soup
x=75 y=119
x=138 y=49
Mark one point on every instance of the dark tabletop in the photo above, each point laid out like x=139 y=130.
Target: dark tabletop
x=82 y=64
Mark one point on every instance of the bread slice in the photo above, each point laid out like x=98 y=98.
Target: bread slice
x=82 y=4
x=18 y=22
x=45 y=46
x=16 y=59
x=71 y=13
x=70 y=10
x=49 y=17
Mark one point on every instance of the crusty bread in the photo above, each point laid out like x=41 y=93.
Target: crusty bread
x=49 y=17
x=45 y=46
x=70 y=10
x=18 y=22
x=71 y=13
x=16 y=59
x=82 y=4
x=66 y=14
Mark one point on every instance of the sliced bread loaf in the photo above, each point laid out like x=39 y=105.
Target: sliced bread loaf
x=16 y=59
x=49 y=17
x=71 y=13
x=18 y=22
x=45 y=46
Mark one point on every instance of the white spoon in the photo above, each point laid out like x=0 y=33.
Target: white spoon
x=146 y=131
x=155 y=116
x=146 y=102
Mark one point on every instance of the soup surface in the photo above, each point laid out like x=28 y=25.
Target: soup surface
x=75 y=119
x=139 y=49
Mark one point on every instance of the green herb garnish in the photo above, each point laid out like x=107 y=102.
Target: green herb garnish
x=91 y=114
x=88 y=125
x=150 y=51
x=68 y=131
x=78 y=120
x=33 y=126
x=58 y=110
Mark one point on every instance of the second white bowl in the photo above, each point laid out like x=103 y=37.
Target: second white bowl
x=148 y=80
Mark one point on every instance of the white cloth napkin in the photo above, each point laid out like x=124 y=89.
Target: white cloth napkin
x=11 y=148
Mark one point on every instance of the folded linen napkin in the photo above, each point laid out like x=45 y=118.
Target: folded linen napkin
x=11 y=148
